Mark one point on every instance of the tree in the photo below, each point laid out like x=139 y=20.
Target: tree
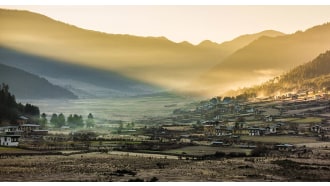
x=121 y=126
x=10 y=109
x=43 y=120
x=90 y=121
x=75 y=121
x=54 y=119
x=60 y=120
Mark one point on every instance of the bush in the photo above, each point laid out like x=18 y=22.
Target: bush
x=136 y=180
x=219 y=154
x=259 y=151
x=153 y=179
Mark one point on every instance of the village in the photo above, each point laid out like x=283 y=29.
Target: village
x=289 y=127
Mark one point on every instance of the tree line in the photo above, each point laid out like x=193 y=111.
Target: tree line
x=10 y=110
x=72 y=121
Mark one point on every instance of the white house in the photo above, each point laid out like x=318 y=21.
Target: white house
x=9 y=140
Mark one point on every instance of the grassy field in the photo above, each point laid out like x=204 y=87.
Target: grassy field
x=301 y=120
x=280 y=139
x=308 y=120
x=2 y=149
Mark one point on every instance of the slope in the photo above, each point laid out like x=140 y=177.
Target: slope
x=150 y=59
x=265 y=58
x=85 y=82
x=314 y=75
x=230 y=47
x=25 y=85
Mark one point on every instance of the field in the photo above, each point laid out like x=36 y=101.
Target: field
x=301 y=120
x=206 y=150
x=126 y=109
x=280 y=139
x=135 y=167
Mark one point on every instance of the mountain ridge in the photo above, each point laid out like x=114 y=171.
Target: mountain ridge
x=155 y=60
x=264 y=58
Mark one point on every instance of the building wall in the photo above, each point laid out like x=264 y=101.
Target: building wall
x=8 y=141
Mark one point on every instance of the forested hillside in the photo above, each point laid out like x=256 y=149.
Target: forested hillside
x=10 y=110
x=312 y=75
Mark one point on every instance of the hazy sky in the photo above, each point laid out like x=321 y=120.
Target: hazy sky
x=187 y=23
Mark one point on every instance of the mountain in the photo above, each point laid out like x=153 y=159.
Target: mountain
x=154 y=60
x=230 y=47
x=25 y=85
x=312 y=75
x=85 y=82
x=264 y=58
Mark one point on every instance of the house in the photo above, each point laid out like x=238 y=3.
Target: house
x=9 y=140
x=254 y=131
x=284 y=147
x=22 y=120
x=271 y=129
x=209 y=130
x=223 y=130
x=217 y=143
x=268 y=118
x=9 y=129
x=241 y=131
x=316 y=128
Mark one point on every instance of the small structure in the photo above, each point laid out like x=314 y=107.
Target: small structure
x=217 y=143
x=241 y=131
x=223 y=130
x=9 y=140
x=284 y=147
x=271 y=129
x=253 y=131
x=316 y=128
x=22 y=120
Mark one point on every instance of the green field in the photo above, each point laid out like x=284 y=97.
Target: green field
x=9 y=149
x=301 y=120
x=125 y=109
x=280 y=139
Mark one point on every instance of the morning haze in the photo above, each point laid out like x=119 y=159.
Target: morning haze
x=164 y=93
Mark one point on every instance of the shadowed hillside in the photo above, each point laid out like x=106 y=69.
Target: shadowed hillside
x=27 y=85
x=83 y=81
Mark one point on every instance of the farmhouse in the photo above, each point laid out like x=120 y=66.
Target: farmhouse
x=254 y=131
x=223 y=130
x=9 y=140
x=284 y=147
x=271 y=129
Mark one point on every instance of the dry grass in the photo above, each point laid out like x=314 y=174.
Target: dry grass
x=111 y=167
x=206 y=150
x=280 y=139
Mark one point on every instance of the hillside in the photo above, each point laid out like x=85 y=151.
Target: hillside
x=265 y=58
x=230 y=47
x=150 y=59
x=10 y=110
x=25 y=85
x=314 y=75
x=82 y=81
